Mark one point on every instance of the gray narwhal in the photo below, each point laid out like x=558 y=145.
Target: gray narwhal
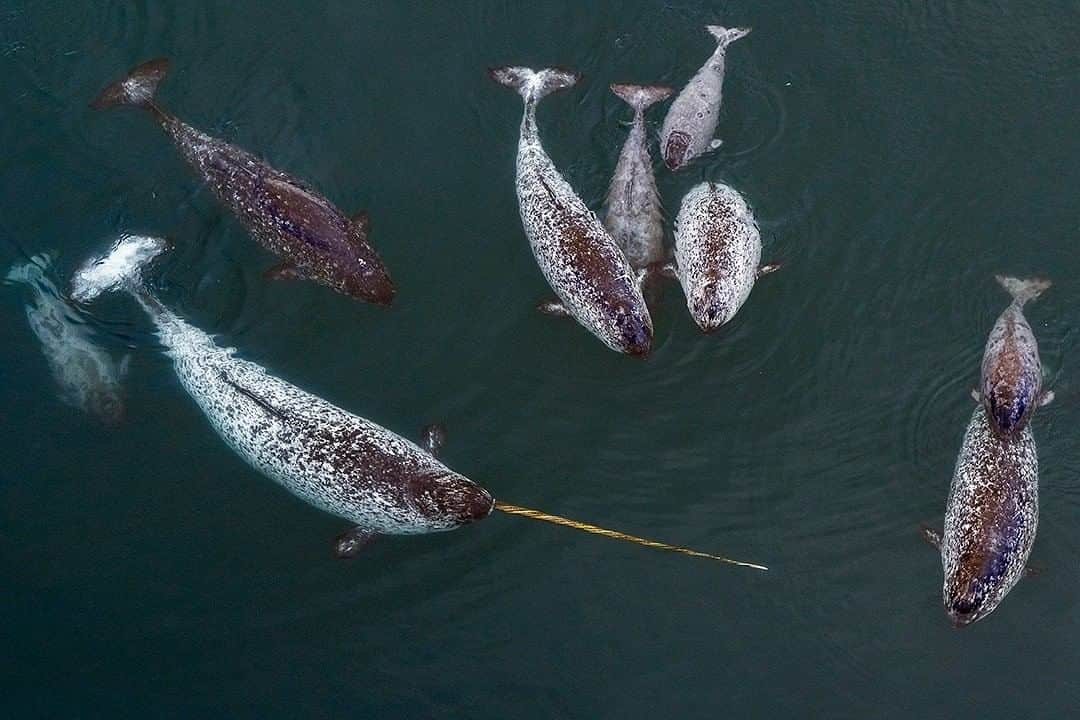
x=632 y=211
x=717 y=253
x=336 y=461
x=85 y=373
x=690 y=125
x=287 y=217
x=1011 y=378
x=581 y=262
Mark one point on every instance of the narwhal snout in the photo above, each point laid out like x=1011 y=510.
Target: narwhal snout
x=455 y=500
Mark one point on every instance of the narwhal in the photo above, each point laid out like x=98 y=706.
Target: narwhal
x=1011 y=378
x=632 y=211
x=990 y=519
x=717 y=253
x=86 y=374
x=691 y=120
x=335 y=460
x=286 y=216
x=582 y=263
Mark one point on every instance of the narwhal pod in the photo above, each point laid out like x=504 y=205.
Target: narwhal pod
x=990 y=519
x=717 y=253
x=580 y=260
x=286 y=216
x=337 y=461
x=1010 y=386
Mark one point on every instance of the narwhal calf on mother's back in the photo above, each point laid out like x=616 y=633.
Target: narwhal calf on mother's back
x=582 y=263
x=1010 y=386
x=690 y=125
x=293 y=221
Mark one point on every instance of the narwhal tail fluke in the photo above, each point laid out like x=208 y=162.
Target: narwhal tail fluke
x=1023 y=290
x=640 y=97
x=616 y=535
x=119 y=269
x=531 y=84
x=31 y=271
x=138 y=88
x=725 y=36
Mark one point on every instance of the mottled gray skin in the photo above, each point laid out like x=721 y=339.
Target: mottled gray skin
x=283 y=214
x=580 y=260
x=632 y=210
x=990 y=519
x=85 y=373
x=717 y=253
x=690 y=125
x=336 y=461
x=1011 y=378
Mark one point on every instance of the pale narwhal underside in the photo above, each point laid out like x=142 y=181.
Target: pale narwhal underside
x=690 y=125
x=717 y=253
x=1010 y=384
x=287 y=217
x=581 y=262
x=632 y=210
x=85 y=373
x=990 y=519
x=333 y=459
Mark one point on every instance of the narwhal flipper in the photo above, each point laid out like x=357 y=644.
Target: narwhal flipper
x=554 y=308
x=349 y=543
x=1046 y=398
x=931 y=536
x=769 y=268
x=434 y=437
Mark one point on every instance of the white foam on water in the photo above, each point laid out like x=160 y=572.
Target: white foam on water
x=112 y=270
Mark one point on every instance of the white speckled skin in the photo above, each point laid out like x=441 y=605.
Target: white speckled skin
x=691 y=120
x=990 y=519
x=717 y=253
x=632 y=211
x=580 y=260
x=337 y=461
x=1011 y=378
x=85 y=373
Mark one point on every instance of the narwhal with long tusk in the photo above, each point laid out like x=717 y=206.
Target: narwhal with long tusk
x=1011 y=382
x=717 y=253
x=582 y=263
x=691 y=120
x=632 y=211
x=287 y=217
x=333 y=459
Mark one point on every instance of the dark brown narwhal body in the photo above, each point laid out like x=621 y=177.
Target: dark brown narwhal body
x=288 y=218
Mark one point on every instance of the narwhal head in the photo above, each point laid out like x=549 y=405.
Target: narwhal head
x=447 y=500
x=676 y=149
x=712 y=304
x=633 y=330
x=975 y=588
x=1009 y=404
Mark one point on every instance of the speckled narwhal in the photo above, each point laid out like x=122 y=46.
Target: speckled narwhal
x=690 y=125
x=287 y=217
x=990 y=519
x=584 y=266
x=632 y=211
x=717 y=253
x=1010 y=386
x=85 y=373
x=337 y=461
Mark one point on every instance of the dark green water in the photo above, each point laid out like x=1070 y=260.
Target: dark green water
x=896 y=154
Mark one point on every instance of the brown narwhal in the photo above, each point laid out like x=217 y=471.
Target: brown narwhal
x=293 y=221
